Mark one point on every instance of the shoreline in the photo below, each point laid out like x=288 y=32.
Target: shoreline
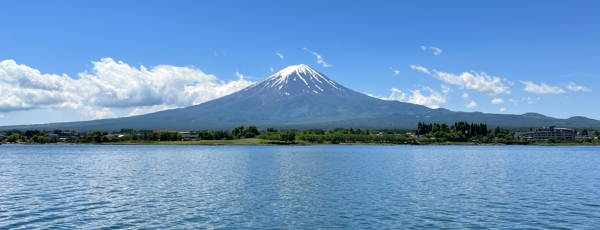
x=261 y=142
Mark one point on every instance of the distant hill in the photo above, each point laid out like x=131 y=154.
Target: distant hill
x=298 y=97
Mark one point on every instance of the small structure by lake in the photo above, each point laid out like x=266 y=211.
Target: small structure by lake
x=543 y=134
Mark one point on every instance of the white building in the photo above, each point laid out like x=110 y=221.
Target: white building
x=543 y=134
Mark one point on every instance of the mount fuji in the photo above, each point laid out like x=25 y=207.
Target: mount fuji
x=299 y=97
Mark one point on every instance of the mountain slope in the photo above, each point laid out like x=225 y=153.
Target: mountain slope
x=300 y=97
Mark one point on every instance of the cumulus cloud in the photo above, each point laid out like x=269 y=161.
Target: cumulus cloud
x=424 y=48
x=397 y=95
x=480 y=82
x=419 y=68
x=109 y=85
x=272 y=69
x=573 y=87
x=280 y=55
x=496 y=101
x=434 y=100
x=474 y=81
x=471 y=105
x=541 y=89
x=502 y=109
x=320 y=60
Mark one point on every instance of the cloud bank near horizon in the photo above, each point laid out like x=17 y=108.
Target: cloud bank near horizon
x=110 y=85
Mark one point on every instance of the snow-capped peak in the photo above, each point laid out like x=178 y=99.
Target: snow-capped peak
x=300 y=79
x=294 y=68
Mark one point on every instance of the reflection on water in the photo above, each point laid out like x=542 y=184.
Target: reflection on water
x=299 y=187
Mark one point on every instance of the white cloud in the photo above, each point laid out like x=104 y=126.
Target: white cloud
x=436 y=51
x=508 y=82
x=397 y=95
x=149 y=109
x=434 y=100
x=109 y=85
x=419 y=68
x=96 y=113
x=496 y=101
x=502 y=109
x=396 y=72
x=480 y=82
x=136 y=111
x=529 y=100
x=573 y=87
x=320 y=60
x=280 y=55
x=471 y=105
x=447 y=89
x=378 y=97
x=541 y=89
x=272 y=69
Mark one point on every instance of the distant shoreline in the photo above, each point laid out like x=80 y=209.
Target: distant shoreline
x=261 y=142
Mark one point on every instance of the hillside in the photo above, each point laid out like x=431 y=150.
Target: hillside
x=298 y=97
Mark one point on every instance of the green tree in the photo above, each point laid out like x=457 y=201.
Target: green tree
x=31 y=133
x=287 y=136
x=252 y=131
x=238 y=131
x=42 y=139
x=13 y=137
x=58 y=132
x=584 y=132
x=96 y=136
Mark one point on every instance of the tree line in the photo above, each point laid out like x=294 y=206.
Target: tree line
x=425 y=133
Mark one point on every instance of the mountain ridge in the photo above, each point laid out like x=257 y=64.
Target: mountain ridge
x=299 y=97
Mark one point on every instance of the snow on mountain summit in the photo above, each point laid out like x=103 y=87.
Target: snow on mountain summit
x=300 y=79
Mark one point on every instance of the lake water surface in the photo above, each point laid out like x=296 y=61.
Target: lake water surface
x=341 y=187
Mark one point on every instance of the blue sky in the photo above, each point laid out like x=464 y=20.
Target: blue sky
x=82 y=60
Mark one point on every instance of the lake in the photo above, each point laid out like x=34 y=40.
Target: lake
x=341 y=187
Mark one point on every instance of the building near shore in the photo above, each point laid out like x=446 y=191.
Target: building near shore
x=543 y=134
x=189 y=135
x=53 y=137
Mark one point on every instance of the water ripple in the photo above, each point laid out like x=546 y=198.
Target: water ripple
x=358 y=187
